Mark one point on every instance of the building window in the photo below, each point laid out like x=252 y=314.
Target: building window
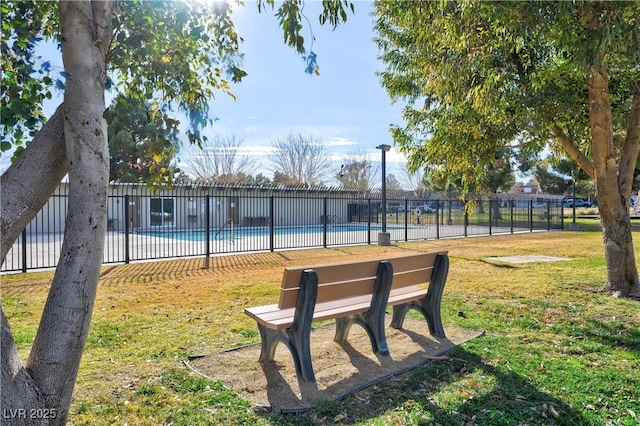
x=162 y=212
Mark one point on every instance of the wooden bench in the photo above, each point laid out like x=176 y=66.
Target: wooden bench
x=350 y=293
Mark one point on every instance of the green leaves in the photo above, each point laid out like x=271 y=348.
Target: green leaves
x=25 y=77
x=179 y=51
x=289 y=17
x=334 y=12
x=478 y=76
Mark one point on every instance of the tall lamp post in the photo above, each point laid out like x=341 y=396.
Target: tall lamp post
x=384 y=238
x=573 y=226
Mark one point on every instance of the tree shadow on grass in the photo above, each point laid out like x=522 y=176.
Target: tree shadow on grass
x=511 y=399
x=450 y=393
x=613 y=333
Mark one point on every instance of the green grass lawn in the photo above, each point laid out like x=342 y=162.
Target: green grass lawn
x=557 y=351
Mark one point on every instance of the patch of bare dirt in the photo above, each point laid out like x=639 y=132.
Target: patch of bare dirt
x=339 y=370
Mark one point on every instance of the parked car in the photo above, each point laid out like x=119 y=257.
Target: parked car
x=570 y=202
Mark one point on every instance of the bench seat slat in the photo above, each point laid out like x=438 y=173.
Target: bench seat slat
x=267 y=317
x=260 y=310
x=272 y=317
x=407 y=294
x=282 y=318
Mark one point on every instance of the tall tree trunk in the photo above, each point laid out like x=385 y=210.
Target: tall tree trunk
x=496 y=213
x=613 y=196
x=47 y=382
x=622 y=275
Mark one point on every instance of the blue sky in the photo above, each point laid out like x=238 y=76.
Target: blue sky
x=344 y=106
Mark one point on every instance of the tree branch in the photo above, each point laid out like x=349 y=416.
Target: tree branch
x=572 y=150
x=23 y=191
x=631 y=148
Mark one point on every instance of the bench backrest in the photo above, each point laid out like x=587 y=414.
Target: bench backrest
x=343 y=280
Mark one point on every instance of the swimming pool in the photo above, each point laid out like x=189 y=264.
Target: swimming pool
x=261 y=231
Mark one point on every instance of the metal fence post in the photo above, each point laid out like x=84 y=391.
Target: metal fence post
x=511 y=207
x=24 y=250
x=406 y=219
x=530 y=214
x=324 y=222
x=368 y=220
x=207 y=231
x=437 y=219
x=126 y=228
x=271 y=223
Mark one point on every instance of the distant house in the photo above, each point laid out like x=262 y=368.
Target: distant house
x=530 y=188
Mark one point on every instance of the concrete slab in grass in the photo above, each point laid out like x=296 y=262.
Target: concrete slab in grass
x=525 y=259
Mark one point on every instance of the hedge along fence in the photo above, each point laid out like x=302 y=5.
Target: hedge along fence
x=200 y=220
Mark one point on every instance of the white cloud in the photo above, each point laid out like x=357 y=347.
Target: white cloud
x=335 y=141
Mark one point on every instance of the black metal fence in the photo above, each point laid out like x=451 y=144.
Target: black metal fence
x=206 y=223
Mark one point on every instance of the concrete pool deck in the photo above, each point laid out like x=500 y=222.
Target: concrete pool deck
x=45 y=250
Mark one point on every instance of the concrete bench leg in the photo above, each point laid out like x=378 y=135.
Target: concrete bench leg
x=301 y=351
x=297 y=337
x=429 y=306
x=269 y=339
x=372 y=320
x=297 y=344
x=376 y=337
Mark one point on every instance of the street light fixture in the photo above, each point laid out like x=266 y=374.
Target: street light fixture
x=384 y=239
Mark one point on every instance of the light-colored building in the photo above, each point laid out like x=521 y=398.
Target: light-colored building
x=188 y=206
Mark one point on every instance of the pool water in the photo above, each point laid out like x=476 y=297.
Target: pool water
x=263 y=231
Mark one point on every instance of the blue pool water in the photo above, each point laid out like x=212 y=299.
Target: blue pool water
x=263 y=231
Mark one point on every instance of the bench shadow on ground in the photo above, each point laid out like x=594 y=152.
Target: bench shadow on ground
x=351 y=369
x=363 y=364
